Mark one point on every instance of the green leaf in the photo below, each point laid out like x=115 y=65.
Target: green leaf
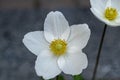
x=59 y=77
x=78 y=77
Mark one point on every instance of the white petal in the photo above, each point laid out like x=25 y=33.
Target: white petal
x=116 y=4
x=118 y=20
x=113 y=23
x=98 y=4
x=46 y=65
x=55 y=25
x=35 y=42
x=65 y=35
x=103 y=19
x=98 y=14
x=108 y=4
x=73 y=62
x=79 y=36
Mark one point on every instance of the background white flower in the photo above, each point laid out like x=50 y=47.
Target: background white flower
x=108 y=11
x=58 y=47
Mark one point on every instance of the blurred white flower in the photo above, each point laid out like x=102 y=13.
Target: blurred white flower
x=58 y=47
x=108 y=11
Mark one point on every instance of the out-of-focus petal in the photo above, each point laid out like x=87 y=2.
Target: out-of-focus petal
x=99 y=4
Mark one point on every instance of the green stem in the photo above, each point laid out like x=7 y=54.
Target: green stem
x=41 y=78
x=59 y=77
x=78 y=77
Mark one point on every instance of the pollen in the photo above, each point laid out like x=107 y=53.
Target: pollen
x=58 y=47
x=111 y=13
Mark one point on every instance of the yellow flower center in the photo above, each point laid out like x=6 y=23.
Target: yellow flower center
x=111 y=13
x=58 y=47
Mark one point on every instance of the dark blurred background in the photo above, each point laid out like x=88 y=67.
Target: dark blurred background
x=49 y=4
x=18 y=17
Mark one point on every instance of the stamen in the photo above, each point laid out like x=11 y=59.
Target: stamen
x=58 y=47
x=111 y=13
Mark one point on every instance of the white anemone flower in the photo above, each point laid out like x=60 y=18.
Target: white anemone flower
x=58 y=47
x=108 y=11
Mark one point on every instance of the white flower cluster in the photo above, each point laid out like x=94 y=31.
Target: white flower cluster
x=59 y=47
